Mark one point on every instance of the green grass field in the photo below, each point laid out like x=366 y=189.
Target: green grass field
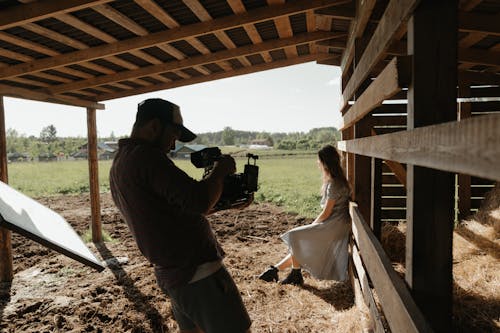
x=292 y=182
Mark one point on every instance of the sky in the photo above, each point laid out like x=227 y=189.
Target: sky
x=290 y=99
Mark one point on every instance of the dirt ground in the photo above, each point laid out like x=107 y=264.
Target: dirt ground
x=52 y=293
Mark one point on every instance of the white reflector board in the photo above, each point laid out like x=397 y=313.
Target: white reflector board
x=29 y=218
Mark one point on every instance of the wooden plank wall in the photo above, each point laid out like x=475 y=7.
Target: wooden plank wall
x=417 y=143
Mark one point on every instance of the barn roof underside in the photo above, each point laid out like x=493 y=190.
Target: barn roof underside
x=83 y=52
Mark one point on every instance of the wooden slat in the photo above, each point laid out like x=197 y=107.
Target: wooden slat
x=376 y=197
x=194 y=61
x=479 y=57
x=44 y=97
x=214 y=76
x=399 y=308
x=364 y=9
x=393 y=78
x=395 y=15
x=95 y=205
x=18 y=15
x=471 y=146
x=193 y=30
x=473 y=77
x=367 y=292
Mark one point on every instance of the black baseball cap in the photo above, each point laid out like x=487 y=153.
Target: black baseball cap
x=167 y=112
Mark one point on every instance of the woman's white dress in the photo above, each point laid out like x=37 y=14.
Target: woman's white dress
x=321 y=248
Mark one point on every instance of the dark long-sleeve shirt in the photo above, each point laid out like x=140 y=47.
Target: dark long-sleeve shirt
x=164 y=209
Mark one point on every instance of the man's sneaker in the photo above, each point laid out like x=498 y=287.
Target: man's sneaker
x=271 y=274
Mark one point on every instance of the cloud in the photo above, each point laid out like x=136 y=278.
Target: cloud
x=334 y=82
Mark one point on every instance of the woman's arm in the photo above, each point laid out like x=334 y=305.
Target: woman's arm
x=326 y=212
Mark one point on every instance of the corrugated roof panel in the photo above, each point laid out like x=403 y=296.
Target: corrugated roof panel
x=131 y=84
x=178 y=11
x=303 y=49
x=487 y=42
x=63 y=75
x=133 y=59
x=255 y=59
x=110 y=87
x=239 y=36
x=252 y=4
x=278 y=54
x=217 y=8
x=20 y=85
x=38 y=39
x=70 y=31
x=235 y=63
x=9 y=61
x=267 y=30
x=159 y=54
x=104 y=24
x=192 y=72
x=21 y=50
x=298 y=23
x=109 y=64
x=171 y=76
x=85 y=70
x=185 y=48
x=41 y=79
x=137 y=14
x=212 y=42
x=214 y=68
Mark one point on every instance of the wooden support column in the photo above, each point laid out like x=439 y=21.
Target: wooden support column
x=432 y=41
x=95 y=203
x=362 y=171
x=6 y=267
x=464 y=181
x=376 y=197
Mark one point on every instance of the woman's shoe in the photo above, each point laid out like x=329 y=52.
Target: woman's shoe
x=295 y=277
x=271 y=274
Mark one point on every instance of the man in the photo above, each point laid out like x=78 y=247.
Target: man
x=165 y=210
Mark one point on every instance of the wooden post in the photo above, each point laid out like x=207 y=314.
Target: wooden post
x=362 y=171
x=432 y=41
x=464 y=181
x=93 y=175
x=6 y=267
x=376 y=197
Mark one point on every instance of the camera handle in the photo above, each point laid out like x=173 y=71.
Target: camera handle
x=254 y=157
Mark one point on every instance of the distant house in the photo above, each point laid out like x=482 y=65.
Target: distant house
x=184 y=151
x=260 y=144
x=47 y=157
x=17 y=157
x=105 y=151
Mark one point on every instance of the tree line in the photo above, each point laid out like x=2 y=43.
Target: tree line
x=313 y=139
x=49 y=144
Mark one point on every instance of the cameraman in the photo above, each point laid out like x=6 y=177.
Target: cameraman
x=165 y=210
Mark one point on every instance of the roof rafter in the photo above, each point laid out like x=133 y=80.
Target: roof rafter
x=215 y=76
x=254 y=16
x=198 y=60
x=39 y=10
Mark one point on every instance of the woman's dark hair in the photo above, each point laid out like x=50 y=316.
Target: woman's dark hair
x=330 y=158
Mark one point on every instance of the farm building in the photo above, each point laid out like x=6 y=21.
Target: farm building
x=105 y=151
x=184 y=151
x=420 y=84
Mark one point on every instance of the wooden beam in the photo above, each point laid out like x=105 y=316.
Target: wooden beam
x=194 y=61
x=471 y=146
x=482 y=23
x=479 y=57
x=6 y=267
x=189 y=31
x=473 y=77
x=376 y=197
x=395 y=15
x=362 y=171
x=364 y=9
x=95 y=204
x=39 y=10
x=393 y=78
x=399 y=308
x=464 y=181
x=212 y=77
x=45 y=97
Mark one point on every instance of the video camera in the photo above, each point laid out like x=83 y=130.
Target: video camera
x=239 y=187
